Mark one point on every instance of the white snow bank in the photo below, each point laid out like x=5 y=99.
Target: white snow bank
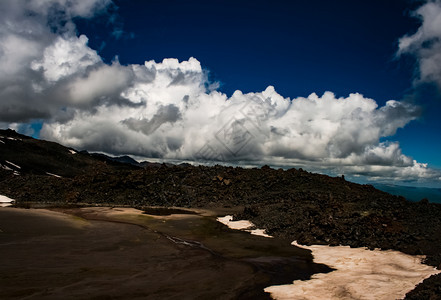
x=72 y=151
x=55 y=175
x=242 y=225
x=12 y=164
x=5 y=167
x=5 y=201
x=360 y=273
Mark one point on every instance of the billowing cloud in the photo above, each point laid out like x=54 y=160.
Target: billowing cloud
x=170 y=110
x=177 y=118
x=40 y=54
x=425 y=44
x=66 y=57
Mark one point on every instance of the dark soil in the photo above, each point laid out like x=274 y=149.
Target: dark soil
x=47 y=257
x=428 y=289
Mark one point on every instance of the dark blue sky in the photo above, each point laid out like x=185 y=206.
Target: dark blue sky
x=299 y=47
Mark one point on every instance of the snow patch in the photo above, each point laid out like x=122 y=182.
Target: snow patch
x=72 y=151
x=2 y=142
x=360 y=273
x=5 y=167
x=242 y=225
x=12 y=164
x=5 y=201
x=55 y=175
x=259 y=232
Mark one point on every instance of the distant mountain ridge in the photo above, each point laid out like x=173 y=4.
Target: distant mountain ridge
x=411 y=193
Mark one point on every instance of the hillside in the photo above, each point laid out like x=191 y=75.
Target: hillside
x=28 y=156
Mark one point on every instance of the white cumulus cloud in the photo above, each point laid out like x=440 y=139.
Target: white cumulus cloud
x=425 y=43
x=38 y=49
x=172 y=115
x=66 y=57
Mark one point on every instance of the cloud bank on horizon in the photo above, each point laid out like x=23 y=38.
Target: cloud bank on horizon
x=170 y=110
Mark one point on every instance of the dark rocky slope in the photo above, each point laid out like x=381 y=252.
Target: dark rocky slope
x=293 y=204
x=37 y=157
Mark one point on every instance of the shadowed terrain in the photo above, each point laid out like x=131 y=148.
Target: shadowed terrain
x=122 y=254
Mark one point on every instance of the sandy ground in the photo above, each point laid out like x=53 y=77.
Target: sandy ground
x=360 y=273
x=120 y=253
